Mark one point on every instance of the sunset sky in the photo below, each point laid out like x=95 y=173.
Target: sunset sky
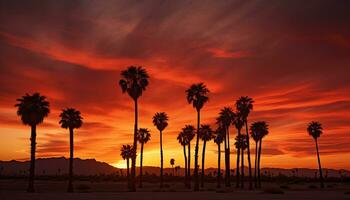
x=291 y=57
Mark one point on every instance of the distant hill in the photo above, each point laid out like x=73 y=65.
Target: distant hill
x=85 y=167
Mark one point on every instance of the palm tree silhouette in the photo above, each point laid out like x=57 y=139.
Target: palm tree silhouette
x=315 y=130
x=205 y=134
x=127 y=152
x=219 y=138
x=182 y=140
x=160 y=120
x=197 y=95
x=241 y=143
x=143 y=136
x=258 y=131
x=189 y=132
x=172 y=163
x=238 y=122
x=225 y=119
x=32 y=109
x=134 y=81
x=71 y=119
x=244 y=105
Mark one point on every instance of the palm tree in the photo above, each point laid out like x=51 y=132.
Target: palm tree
x=160 y=120
x=238 y=122
x=127 y=152
x=244 y=105
x=225 y=119
x=315 y=130
x=71 y=119
x=32 y=109
x=205 y=134
x=241 y=143
x=143 y=136
x=264 y=130
x=172 y=163
x=219 y=138
x=182 y=140
x=189 y=132
x=197 y=95
x=134 y=81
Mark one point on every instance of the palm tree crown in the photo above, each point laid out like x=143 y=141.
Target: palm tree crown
x=258 y=130
x=127 y=151
x=206 y=133
x=241 y=142
x=197 y=94
x=160 y=120
x=189 y=133
x=315 y=129
x=219 y=135
x=226 y=116
x=143 y=135
x=32 y=109
x=134 y=81
x=70 y=118
x=244 y=105
x=238 y=121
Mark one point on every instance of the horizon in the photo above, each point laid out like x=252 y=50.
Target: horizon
x=295 y=67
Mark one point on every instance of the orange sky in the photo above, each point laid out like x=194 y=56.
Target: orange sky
x=291 y=57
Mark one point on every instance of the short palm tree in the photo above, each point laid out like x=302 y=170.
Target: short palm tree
x=189 y=132
x=226 y=117
x=244 y=106
x=219 y=138
x=160 y=120
x=172 y=163
x=241 y=143
x=315 y=130
x=182 y=140
x=127 y=152
x=205 y=134
x=197 y=95
x=238 y=122
x=134 y=81
x=71 y=119
x=143 y=136
x=32 y=109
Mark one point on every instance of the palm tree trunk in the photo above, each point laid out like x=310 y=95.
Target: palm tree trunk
x=71 y=142
x=248 y=154
x=242 y=169
x=319 y=165
x=184 y=146
x=259 y=153
x=189 y=167
x=256 y=165
x=196 y=183
x=128 y=171
x=219 y=168
x=228 y=170
x=132 y=187
x=237 y=164
x=161 y=160
x=32 y=159
x=141 y=159
x=203 y=159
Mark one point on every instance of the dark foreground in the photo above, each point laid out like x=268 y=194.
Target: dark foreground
x=87 y=190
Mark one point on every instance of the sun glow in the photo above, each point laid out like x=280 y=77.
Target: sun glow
x=121 y=164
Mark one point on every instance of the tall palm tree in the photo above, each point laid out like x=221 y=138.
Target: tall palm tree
x=143 y=136
x=71 y=119
x=219 y=138
x=32 y=109
x=197 y=95
x=127 y=152
x=315 y=130
x=244 y=106
x=205 y=134
x=172 y=163
x=160 y=120
x=264 y=130
x=255 y=134
x=134 y=81
x=182 y=140
x=238 y=122
x=226 y=117
x=241 y=143
x=189 y=132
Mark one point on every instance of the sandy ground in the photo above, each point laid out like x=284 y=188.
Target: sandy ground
x=55 y=190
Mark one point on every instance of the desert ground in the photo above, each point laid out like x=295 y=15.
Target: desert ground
x=55 y=190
